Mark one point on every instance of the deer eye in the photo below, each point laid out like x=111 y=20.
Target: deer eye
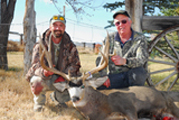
x=82 y=87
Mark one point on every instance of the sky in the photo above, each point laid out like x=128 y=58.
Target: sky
x=83 y=29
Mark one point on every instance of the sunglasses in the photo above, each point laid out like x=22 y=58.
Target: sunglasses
x=118 y=23
x=58 y=18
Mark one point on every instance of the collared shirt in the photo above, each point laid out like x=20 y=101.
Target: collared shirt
x=117 y=38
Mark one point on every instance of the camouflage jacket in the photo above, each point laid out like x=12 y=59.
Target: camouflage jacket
x=135 y=51
x=68 y=58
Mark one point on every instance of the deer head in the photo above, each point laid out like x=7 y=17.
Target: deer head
x=92 y=82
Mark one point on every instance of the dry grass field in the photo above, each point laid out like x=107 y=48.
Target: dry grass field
x=17 y=101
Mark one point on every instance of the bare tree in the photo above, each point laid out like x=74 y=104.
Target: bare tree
x=79 y=7
x=6 y=15
x=29 y=33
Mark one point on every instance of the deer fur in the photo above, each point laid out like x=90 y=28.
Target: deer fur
x=127 y=103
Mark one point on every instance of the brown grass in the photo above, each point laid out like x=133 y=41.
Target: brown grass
x=14 y=46
x=17 y=101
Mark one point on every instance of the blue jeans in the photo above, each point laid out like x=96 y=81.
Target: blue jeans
x=133 y=77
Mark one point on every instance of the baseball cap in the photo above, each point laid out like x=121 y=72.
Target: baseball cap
x=58 y=18
x=123 y=12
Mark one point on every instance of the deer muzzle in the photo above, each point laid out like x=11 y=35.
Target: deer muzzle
x=75 y=98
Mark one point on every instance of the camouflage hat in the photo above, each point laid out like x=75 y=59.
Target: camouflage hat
x=58 y=18
x=123 y=12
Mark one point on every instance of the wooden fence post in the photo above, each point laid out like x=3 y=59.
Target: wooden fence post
x=84 y=45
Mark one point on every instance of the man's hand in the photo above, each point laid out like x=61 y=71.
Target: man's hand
x=47 y=73
x=118 y=60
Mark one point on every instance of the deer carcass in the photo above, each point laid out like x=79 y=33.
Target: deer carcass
x=117 y=104
x=128 y=102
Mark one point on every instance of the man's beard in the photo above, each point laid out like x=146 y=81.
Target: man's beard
x=57 y=33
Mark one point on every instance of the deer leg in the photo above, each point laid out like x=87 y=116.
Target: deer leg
x=131 y=115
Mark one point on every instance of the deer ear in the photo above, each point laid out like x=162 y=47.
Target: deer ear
x=61 y=86
x=96 y=82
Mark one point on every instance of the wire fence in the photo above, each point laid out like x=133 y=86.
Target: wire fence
x=82 y=34
x=79 y=31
